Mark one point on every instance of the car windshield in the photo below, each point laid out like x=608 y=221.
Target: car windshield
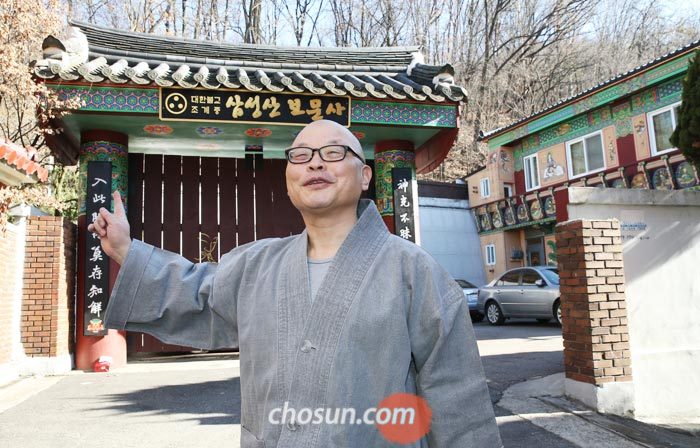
x=465 y=284
x=552 y=275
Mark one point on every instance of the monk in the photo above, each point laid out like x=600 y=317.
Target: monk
x=341 y=316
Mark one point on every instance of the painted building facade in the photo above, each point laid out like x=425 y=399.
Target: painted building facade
x=615 y=135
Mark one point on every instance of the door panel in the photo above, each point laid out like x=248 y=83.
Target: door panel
x=535 y=299
x=509 y=291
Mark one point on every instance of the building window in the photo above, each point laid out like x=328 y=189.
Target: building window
x=490 y=254
x=485 y=187
x=662 y=122
x=585 y=155
x=507 y=190
x=532 y=173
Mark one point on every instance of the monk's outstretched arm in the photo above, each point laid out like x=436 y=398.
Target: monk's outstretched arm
x=179 y=302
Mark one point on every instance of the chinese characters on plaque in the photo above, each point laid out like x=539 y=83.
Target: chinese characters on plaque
x=251 y=107
x=99 y=194
x=405 y=203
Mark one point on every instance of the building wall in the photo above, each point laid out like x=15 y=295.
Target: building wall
x=10 y=266
x=504 y=243
x=661 y=247
x=625 y=136
x=627 y=116
x=449 y=234
x=498 y=240
x=474 y=185
x=513 y=240
x=499 y=170
x=553 y=164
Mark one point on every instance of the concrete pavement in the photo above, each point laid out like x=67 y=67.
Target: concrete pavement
x=542 y=402
x=189 y=403
x=194 y=402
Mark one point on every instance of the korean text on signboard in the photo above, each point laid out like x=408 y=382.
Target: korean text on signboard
x=99 y=189
x=251 y=107
x=404 y=203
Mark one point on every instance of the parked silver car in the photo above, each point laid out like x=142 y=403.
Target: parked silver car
x=522 y=292
x=471 y=294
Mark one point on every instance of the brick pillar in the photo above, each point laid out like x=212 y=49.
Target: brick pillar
x=597 y=357
x=390 y=154
x=49 y=290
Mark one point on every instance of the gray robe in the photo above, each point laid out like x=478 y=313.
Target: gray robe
x=386 y=319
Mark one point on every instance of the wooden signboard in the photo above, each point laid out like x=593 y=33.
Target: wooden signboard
x=99 y=194
x=243 y=106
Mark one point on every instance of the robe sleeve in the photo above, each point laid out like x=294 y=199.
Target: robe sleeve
x=450 y=374
x=179 y=302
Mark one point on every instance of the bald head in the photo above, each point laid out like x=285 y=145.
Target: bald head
x=328 y=133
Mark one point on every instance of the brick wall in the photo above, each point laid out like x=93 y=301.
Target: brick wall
x=594 y=309
x=49 y=287
x=9 y=267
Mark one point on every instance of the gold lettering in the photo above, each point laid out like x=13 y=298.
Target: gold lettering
x=315 y=111
x=295 y=107
x=271 y=103
x=335 y=108
x=254 y=103
x=237 y=105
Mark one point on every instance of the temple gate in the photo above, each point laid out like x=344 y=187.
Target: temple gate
x=195 y=132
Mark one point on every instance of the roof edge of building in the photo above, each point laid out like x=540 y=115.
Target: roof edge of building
x=679 y=52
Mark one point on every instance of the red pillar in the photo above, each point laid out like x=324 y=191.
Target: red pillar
x=390 y=154
x=104 y=146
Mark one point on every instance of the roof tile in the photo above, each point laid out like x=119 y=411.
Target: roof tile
x=168 y=61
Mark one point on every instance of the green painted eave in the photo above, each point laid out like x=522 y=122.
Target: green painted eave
x=183 y=138
x=133 y=110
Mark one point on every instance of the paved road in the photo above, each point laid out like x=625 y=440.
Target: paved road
x=195 y=403
x=188 y=404
x=518 y=351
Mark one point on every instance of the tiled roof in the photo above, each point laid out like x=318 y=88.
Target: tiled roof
x=587 y=92
x=22 y=160
x=96 y=54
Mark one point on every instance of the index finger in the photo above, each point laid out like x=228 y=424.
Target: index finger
x=118 y=204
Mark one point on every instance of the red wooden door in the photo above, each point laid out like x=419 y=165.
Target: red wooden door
x=202 y=207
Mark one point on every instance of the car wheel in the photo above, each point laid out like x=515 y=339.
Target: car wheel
x=557 y=311
x=494 y=314
x=543 y=321
x=477 y=317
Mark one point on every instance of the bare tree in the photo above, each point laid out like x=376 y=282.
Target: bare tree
x=301 y=11
x=270 y=27
x=28 y=109
x=251 y=16
x=513 y=57
x=342 y=14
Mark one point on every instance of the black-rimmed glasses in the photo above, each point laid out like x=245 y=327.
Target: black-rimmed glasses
x=328 y=153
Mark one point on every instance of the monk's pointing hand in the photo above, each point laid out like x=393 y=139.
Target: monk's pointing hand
x=113 y=230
